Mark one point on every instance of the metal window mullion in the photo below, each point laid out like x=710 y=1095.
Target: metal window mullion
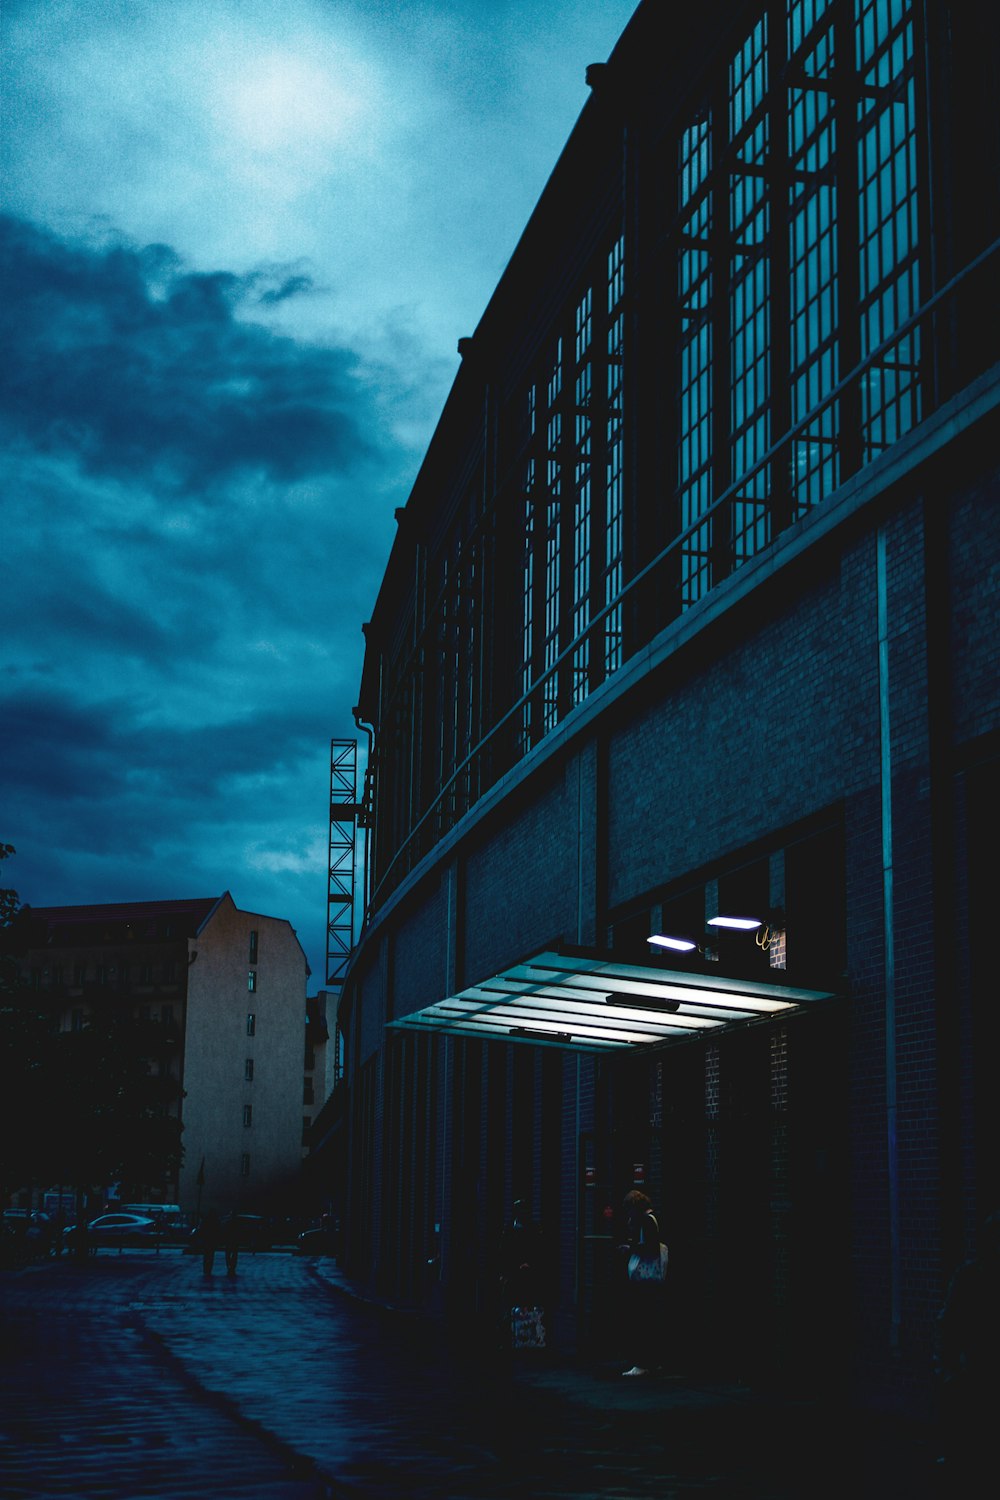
x=600 y=490
x=779 y=294
x=848 y=274
x=566 y=458
x=583 y=639
x=721 y=523
x=929 y=107
x=539 y=504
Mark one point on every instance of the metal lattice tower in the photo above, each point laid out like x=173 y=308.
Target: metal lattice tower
x=340 y=895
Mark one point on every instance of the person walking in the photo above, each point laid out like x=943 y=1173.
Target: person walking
x=231 y=1243
x=209 y=1235
x=644 y=1293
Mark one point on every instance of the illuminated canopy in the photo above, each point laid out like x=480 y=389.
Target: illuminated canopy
x=598 y=1004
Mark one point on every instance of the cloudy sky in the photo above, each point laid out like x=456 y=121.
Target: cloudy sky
x=239 y=242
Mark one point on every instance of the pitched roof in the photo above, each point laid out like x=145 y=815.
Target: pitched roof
x=140 y=919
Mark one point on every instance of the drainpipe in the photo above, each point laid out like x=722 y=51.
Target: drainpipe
x=369 y=730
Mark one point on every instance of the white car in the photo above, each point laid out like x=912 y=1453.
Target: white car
x=116 y=1229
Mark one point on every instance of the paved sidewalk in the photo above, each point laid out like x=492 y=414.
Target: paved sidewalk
x=700 y=1436
x=89 y=1411
x=135 y=1376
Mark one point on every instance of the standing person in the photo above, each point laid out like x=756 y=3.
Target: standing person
x=644 y=1294
x=209 y=1236
x=231 y=1243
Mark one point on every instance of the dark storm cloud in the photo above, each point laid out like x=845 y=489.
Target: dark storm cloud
x=198 y=510
x=88 y=752
x=111 y=808
x=136 y=366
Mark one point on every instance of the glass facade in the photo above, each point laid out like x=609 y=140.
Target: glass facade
x=571 y=506
x=660 y=408
x=798 y=178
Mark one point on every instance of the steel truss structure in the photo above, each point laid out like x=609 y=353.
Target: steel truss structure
x=342 y=862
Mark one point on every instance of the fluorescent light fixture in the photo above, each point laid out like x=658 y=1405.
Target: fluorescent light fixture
x=741 y=924
x=541 y=1036
x=644 y=1002
x=680 y=945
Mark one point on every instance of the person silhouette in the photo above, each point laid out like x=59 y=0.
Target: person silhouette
x=644 y=1293
x=209 y=1236
x=231 y=1243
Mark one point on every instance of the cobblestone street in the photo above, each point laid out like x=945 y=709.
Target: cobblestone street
x=135 y=1376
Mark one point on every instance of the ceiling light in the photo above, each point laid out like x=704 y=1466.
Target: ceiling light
x=741 y=924
x=540 y=1036
x=680 y=945
x=644 y=1002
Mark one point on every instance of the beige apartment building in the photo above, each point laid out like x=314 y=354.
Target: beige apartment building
x=228 y=990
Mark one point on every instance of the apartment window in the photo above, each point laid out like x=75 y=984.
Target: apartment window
x=248 y=1114
x=306 y=1122
x=79 y=974
x=58 y=975
x=77 y=1020
x=169 y=971
x=253 y=947
x=248 y=1070
x=124 y=973
x=245 y=1164
x=252 y=980
x=145 y=973
x=307 y=1091
x=251 y=1024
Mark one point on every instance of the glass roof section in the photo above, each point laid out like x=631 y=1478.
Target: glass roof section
x=604 y=1005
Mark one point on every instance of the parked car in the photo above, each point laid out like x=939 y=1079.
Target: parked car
x=320 y=1240
x=115 y=1230
x=25 y=1236
x=172 y=1231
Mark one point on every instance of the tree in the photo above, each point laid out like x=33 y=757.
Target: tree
x=25 y=1042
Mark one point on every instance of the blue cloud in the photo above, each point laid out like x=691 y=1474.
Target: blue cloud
x=134 y=365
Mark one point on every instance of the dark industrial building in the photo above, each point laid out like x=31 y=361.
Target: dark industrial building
x=692 y=613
